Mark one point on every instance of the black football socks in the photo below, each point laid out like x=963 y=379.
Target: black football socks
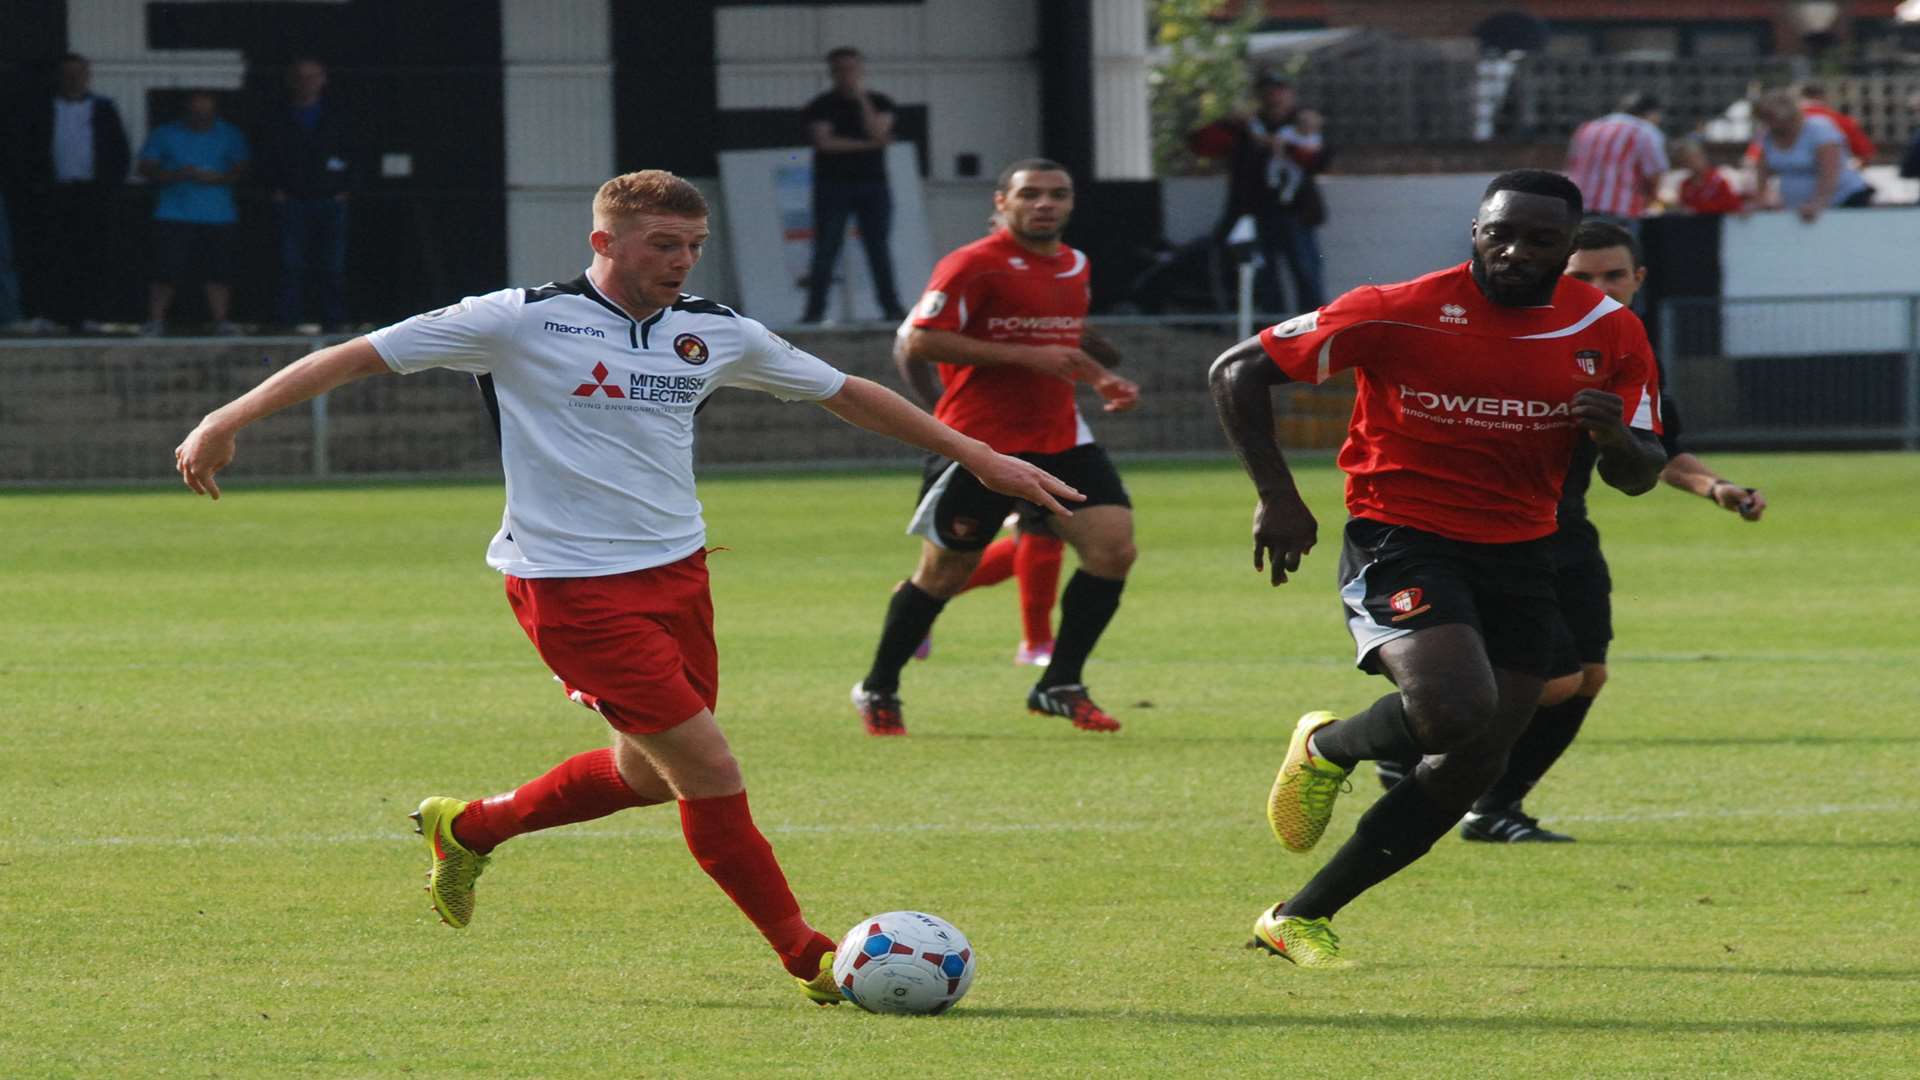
x=1397 y=829
x=1086 y=607
x=1552 y=729
x=910 y=615
x=1377 y=733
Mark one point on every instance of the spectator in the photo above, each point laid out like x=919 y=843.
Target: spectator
x=1910 y=161
x=1812 y=99
x=1617 y=160
x=1273 y=155
x=305 y=165
x=74 y=160
x=193 y=163
x=10 y=321
x=1706 y=189
x=1808 y=155
x=850 y=127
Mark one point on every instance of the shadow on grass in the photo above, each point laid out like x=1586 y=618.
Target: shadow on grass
x=1736 y=741
x=1809 y=845
x=1858 y=974
x=1293 y=1019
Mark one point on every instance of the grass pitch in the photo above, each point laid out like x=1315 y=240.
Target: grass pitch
x=216 y=717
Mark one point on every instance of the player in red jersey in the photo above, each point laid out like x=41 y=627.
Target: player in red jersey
x=1474 y=385
x=1002 y=319
x=1032 y=556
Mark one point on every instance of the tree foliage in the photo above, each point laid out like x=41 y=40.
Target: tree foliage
x=1201 y=74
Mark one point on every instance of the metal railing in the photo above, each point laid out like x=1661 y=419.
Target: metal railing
x=1796 y=370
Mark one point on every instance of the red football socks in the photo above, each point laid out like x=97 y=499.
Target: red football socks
x=721 y=834
x=996 y=565
x=581 y=788
x=1037 y=562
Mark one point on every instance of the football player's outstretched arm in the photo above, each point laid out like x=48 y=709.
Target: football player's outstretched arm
x=1242 y=381
x=867 y=404
x=208 y=448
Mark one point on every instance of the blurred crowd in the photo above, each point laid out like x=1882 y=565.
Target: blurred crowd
x=1806 y=157
x=69 y=164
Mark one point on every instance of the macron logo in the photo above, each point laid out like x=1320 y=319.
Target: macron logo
x=563 y=328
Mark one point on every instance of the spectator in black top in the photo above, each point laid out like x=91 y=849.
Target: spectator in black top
x=1910 y=161
x=1273 y=154
x=850 y=127
x=305 y=163
x=73 y=161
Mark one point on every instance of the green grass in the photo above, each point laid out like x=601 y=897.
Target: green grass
x=213 y=719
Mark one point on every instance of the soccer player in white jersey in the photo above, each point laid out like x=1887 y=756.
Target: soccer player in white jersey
x=594 y=384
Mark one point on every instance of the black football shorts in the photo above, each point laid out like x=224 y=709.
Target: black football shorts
x=959 y=513
x=1395 y=579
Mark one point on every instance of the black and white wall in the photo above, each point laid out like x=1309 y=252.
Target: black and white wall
x=486 y=124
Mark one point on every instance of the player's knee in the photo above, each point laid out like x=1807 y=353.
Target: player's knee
x=1112 y=561
x=1450 y=716
x=1592 y=679
x=1560 y=689
x=710 y=774
x=945 y=576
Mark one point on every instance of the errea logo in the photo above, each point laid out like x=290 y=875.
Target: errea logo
x=563 y=328
x=1453 y=313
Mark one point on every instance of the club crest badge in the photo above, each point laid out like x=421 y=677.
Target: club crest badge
x=691 y=349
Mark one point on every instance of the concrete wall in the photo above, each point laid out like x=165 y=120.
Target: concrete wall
x=99 y=412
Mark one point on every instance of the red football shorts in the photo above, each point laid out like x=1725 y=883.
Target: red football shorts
x=637 y=647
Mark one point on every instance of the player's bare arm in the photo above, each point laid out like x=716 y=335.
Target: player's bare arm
x=867 y=404
x=1630 y=460
x=1691 y=475
x=1120 y=393
x=919 y=376
x=209 y=447
x=946 y=347
x=1242 y=381
x=1096 y=345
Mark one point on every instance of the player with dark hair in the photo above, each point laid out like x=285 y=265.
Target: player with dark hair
x=1606 y=257
x=588 y=381
x=1033 y=554
x=1003 y=319
x=1475 y=384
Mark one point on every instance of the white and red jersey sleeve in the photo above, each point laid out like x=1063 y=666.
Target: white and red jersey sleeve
x=953 y=293
x=1303 y=346
x=1636 y=378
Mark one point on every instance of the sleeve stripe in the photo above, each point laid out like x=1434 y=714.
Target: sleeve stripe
x=1643 y=413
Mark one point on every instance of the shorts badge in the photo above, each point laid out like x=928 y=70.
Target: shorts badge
x=1407 y=603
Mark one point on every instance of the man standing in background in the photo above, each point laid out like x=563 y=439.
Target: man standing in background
x=75 y=156
x=1617 y=160
x=850 y=127
x=194 y=163
x=305 y=165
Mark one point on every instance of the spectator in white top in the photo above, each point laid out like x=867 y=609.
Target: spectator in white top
x=1808 y=154
x=1617 y=159
x=593 y=385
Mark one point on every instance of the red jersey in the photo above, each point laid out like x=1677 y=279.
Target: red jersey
x=1461 y=426
x=1709 y=193
x=995 y=290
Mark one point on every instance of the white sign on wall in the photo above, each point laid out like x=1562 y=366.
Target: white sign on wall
x=769 y=229
x=1845 y=254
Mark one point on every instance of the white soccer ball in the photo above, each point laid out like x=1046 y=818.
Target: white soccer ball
x=904 y=962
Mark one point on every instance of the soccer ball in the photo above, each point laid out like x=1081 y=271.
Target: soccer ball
x=904 y=962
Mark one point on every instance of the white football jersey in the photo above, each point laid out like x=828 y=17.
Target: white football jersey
x=595 y=414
